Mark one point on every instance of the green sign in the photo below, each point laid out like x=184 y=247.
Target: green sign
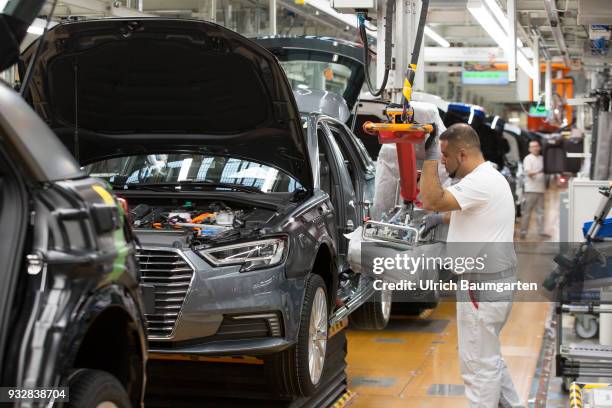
x=538 y=111
x=484 y=77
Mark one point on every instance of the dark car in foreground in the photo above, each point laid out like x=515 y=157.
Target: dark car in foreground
x=239 y=201
x=70 y=306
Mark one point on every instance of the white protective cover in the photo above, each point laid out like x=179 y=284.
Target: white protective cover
x=386 y=191
x=386 y=184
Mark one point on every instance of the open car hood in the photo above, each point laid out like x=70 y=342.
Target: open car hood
x=325 y=50
x=119 y=87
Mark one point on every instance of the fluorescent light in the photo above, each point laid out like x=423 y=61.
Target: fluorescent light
x=490 y=25
x=497 y=33
x=501 y=18
x=35 y=30
x=184 y=171
x=38 y=26
x=436 y=37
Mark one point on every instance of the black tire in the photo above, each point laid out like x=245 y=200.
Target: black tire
x=89 y=388
x=288 y=371
x=372 y=315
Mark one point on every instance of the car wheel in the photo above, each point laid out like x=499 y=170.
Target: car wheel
x=298 y=370
x=96 y=389
x=373 y=314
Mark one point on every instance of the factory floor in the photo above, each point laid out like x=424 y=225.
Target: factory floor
x=414 y=361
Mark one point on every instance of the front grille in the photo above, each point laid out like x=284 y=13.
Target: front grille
x=233 y=328
x=170 y=275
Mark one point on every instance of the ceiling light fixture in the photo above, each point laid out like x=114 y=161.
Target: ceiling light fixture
x=436 y=37
x=491 y=25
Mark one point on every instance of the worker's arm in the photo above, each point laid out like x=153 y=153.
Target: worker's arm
x=433 y=196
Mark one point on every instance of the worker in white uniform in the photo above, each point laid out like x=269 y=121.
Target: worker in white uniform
x=535 y=186
x=480 y=210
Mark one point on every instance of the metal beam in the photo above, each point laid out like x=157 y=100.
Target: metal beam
x=107 y=8
x=308 y=14
x=555 y=24
x=272 y=15
x=548 y=85
x=511 y=6
x=446 y=16
x=460 y=54
x=476 y=54
x=536 y=65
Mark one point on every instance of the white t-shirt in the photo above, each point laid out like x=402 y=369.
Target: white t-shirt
x=537 y=183
x=487 y=207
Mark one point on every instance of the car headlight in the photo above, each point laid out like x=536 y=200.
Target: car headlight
x=251 y=255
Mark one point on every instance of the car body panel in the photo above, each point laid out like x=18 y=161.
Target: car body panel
x=146 y=85
x=87 y=264
x=34 y=142
x=312 y=225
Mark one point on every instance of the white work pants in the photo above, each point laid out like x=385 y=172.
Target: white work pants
x=486 y=377
x=533 y=201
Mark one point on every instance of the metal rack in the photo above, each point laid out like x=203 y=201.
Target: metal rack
x=583 y=358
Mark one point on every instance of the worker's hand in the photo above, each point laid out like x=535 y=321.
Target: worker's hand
x=430 y=221
x=432 y=148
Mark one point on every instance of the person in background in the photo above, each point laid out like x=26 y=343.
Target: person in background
x=535 y=186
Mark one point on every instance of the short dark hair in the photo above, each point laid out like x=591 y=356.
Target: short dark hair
x=537 y=141
x=461 y=135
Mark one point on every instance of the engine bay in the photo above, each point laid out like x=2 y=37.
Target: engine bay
x=198 y=222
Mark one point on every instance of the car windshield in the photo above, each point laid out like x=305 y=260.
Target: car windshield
x=322 y=71
x=316 y=75
x=219 y=172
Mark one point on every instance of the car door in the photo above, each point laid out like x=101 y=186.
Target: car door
x=360 y=167
x=344 y=197
x=13 y=222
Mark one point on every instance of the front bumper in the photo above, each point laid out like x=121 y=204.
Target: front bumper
x=224 y=311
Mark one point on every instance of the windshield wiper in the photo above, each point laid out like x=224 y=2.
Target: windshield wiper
x=210 y=183
x=179 y=185
x=144 y=186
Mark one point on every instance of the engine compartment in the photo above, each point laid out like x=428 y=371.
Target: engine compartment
x=195 y=222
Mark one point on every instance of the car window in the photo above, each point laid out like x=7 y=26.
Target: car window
x=352 y=148
x=176 y=168
x=341 y=151
x=323 y=71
